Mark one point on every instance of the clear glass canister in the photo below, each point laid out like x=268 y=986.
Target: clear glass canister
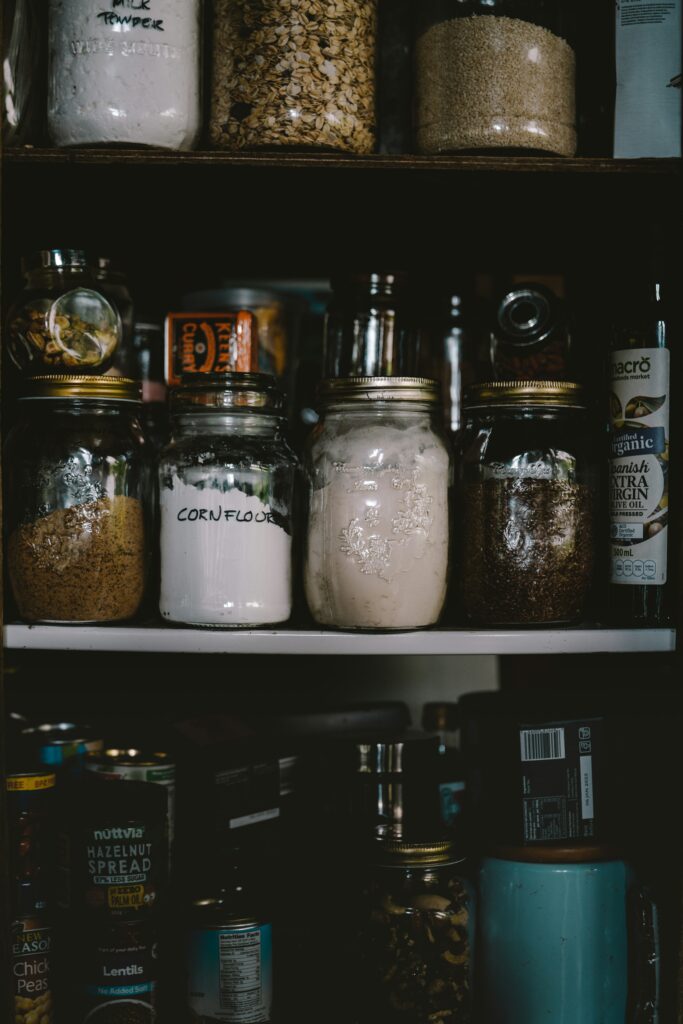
x=226 y=491
x=77 y=484
x=378 y=474
x=113 y=284
x=124 y=73
x=60 y=322
x=495 y=74
x=417 y=944
x=526 y=504
x=298 y=74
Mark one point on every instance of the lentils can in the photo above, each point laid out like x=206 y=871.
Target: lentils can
x=137 y=766
x=230 y=967
x=121 y=975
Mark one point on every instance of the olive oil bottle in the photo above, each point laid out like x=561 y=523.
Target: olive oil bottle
x=639 y=482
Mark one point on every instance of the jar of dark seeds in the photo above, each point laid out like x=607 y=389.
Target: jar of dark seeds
x=416 y=946
x=77 y=487
x=298 y=74
x=527 y=497
x=494 y=74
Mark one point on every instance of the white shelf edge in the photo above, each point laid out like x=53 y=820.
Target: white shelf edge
x=145 y=639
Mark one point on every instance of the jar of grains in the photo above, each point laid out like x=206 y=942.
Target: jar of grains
x=125 y=72
x=416 y=944
x=61 y=322
x=527 y=495
x=300 y=73
x=379 y=470
x=494 y=74
x=226 y=491
x=77 y=485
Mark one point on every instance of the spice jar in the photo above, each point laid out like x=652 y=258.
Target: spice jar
x=77 y=484
x=417 y=944
x=226 y=490
x=127 y=75
x=113 y=284
x=528 y=481
x=61 y=322
x=300 y=74
x=494 y=74
x=378 y=473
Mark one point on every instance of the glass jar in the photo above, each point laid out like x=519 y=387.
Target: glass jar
x=113 y=284
x=366 y=328
x=294 y=75
x=77 y=486
x=60 y=322
x=129 y=75
x=378 y=472
x=226 y=492
x=527 y=504
x=417 y=945
x=530 y=336
x=494 y=74
x=23 y=80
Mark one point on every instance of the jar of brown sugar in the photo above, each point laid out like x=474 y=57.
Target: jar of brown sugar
x=527 y=488
x=495 y=74
x=77 y=484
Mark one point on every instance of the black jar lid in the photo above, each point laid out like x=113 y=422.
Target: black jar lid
x=226 y=391
x=525 y=393
x=56 y=259
x=66 y=385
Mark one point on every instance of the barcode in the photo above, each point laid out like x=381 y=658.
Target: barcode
x=542 y=744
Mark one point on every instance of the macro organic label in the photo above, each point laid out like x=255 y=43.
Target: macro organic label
x=639 y=465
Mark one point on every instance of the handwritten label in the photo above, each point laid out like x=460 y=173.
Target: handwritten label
x=215 y=515
x=131 y=20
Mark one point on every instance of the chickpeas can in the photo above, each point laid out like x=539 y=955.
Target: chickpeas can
x=31 y=965
x=230 y=967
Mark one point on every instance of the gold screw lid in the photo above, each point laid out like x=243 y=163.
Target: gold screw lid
x=115 y=389
x=380 y=389
x=525 y=392
x=400 y=851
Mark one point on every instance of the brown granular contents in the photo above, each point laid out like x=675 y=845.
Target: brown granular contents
x=122 y=1013
x=527 y=552
x=80 y=564
x=489 y=82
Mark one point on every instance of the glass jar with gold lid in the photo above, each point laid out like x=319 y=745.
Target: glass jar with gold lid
x=378 y=473
x=77 y=490
x=417 y=941
x=528 y=478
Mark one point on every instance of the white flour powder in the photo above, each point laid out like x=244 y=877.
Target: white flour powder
x=377 y=547
x=124 y=71
x=224 y=561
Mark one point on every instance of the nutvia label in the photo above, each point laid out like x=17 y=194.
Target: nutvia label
x=639 y=465
x=210 y=343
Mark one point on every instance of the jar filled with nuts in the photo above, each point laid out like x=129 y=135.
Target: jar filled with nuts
x=298 y=74
x=60 y=322
x=416 y=945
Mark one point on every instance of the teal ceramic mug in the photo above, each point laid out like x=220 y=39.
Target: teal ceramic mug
x=565 y=936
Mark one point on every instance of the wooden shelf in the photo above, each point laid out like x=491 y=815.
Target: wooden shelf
x=170 y=640
x=380 y=162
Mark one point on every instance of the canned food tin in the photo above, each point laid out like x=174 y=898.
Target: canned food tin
x=121 y=972
x=31 y=965
x=230 y=967
x=62 y=743
x=132 y=765
x=30 y=810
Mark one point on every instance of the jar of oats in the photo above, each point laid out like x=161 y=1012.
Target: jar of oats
x=298 y=74
x=77 y=487
x=495 y=74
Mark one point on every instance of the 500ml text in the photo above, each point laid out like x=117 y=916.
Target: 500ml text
x=214 y=515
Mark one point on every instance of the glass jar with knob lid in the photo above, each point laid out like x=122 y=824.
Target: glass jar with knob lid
x=77 y=491
x=527 y=492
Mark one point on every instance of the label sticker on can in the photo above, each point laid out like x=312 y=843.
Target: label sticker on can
x=31 y=950
x=230 y=974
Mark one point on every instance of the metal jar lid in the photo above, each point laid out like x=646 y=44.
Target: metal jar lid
x=525 y=392
x=380 y=389
x=225 y=391
x=403 y=852
x=114 y=389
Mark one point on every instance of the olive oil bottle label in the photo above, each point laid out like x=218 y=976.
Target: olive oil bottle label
x=639 y=465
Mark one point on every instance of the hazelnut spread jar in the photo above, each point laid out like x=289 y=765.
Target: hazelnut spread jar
x=378 y=473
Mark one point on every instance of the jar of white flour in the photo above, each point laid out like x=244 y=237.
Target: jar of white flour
x=379 y=475
x=124 y=72
x=226 y=485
